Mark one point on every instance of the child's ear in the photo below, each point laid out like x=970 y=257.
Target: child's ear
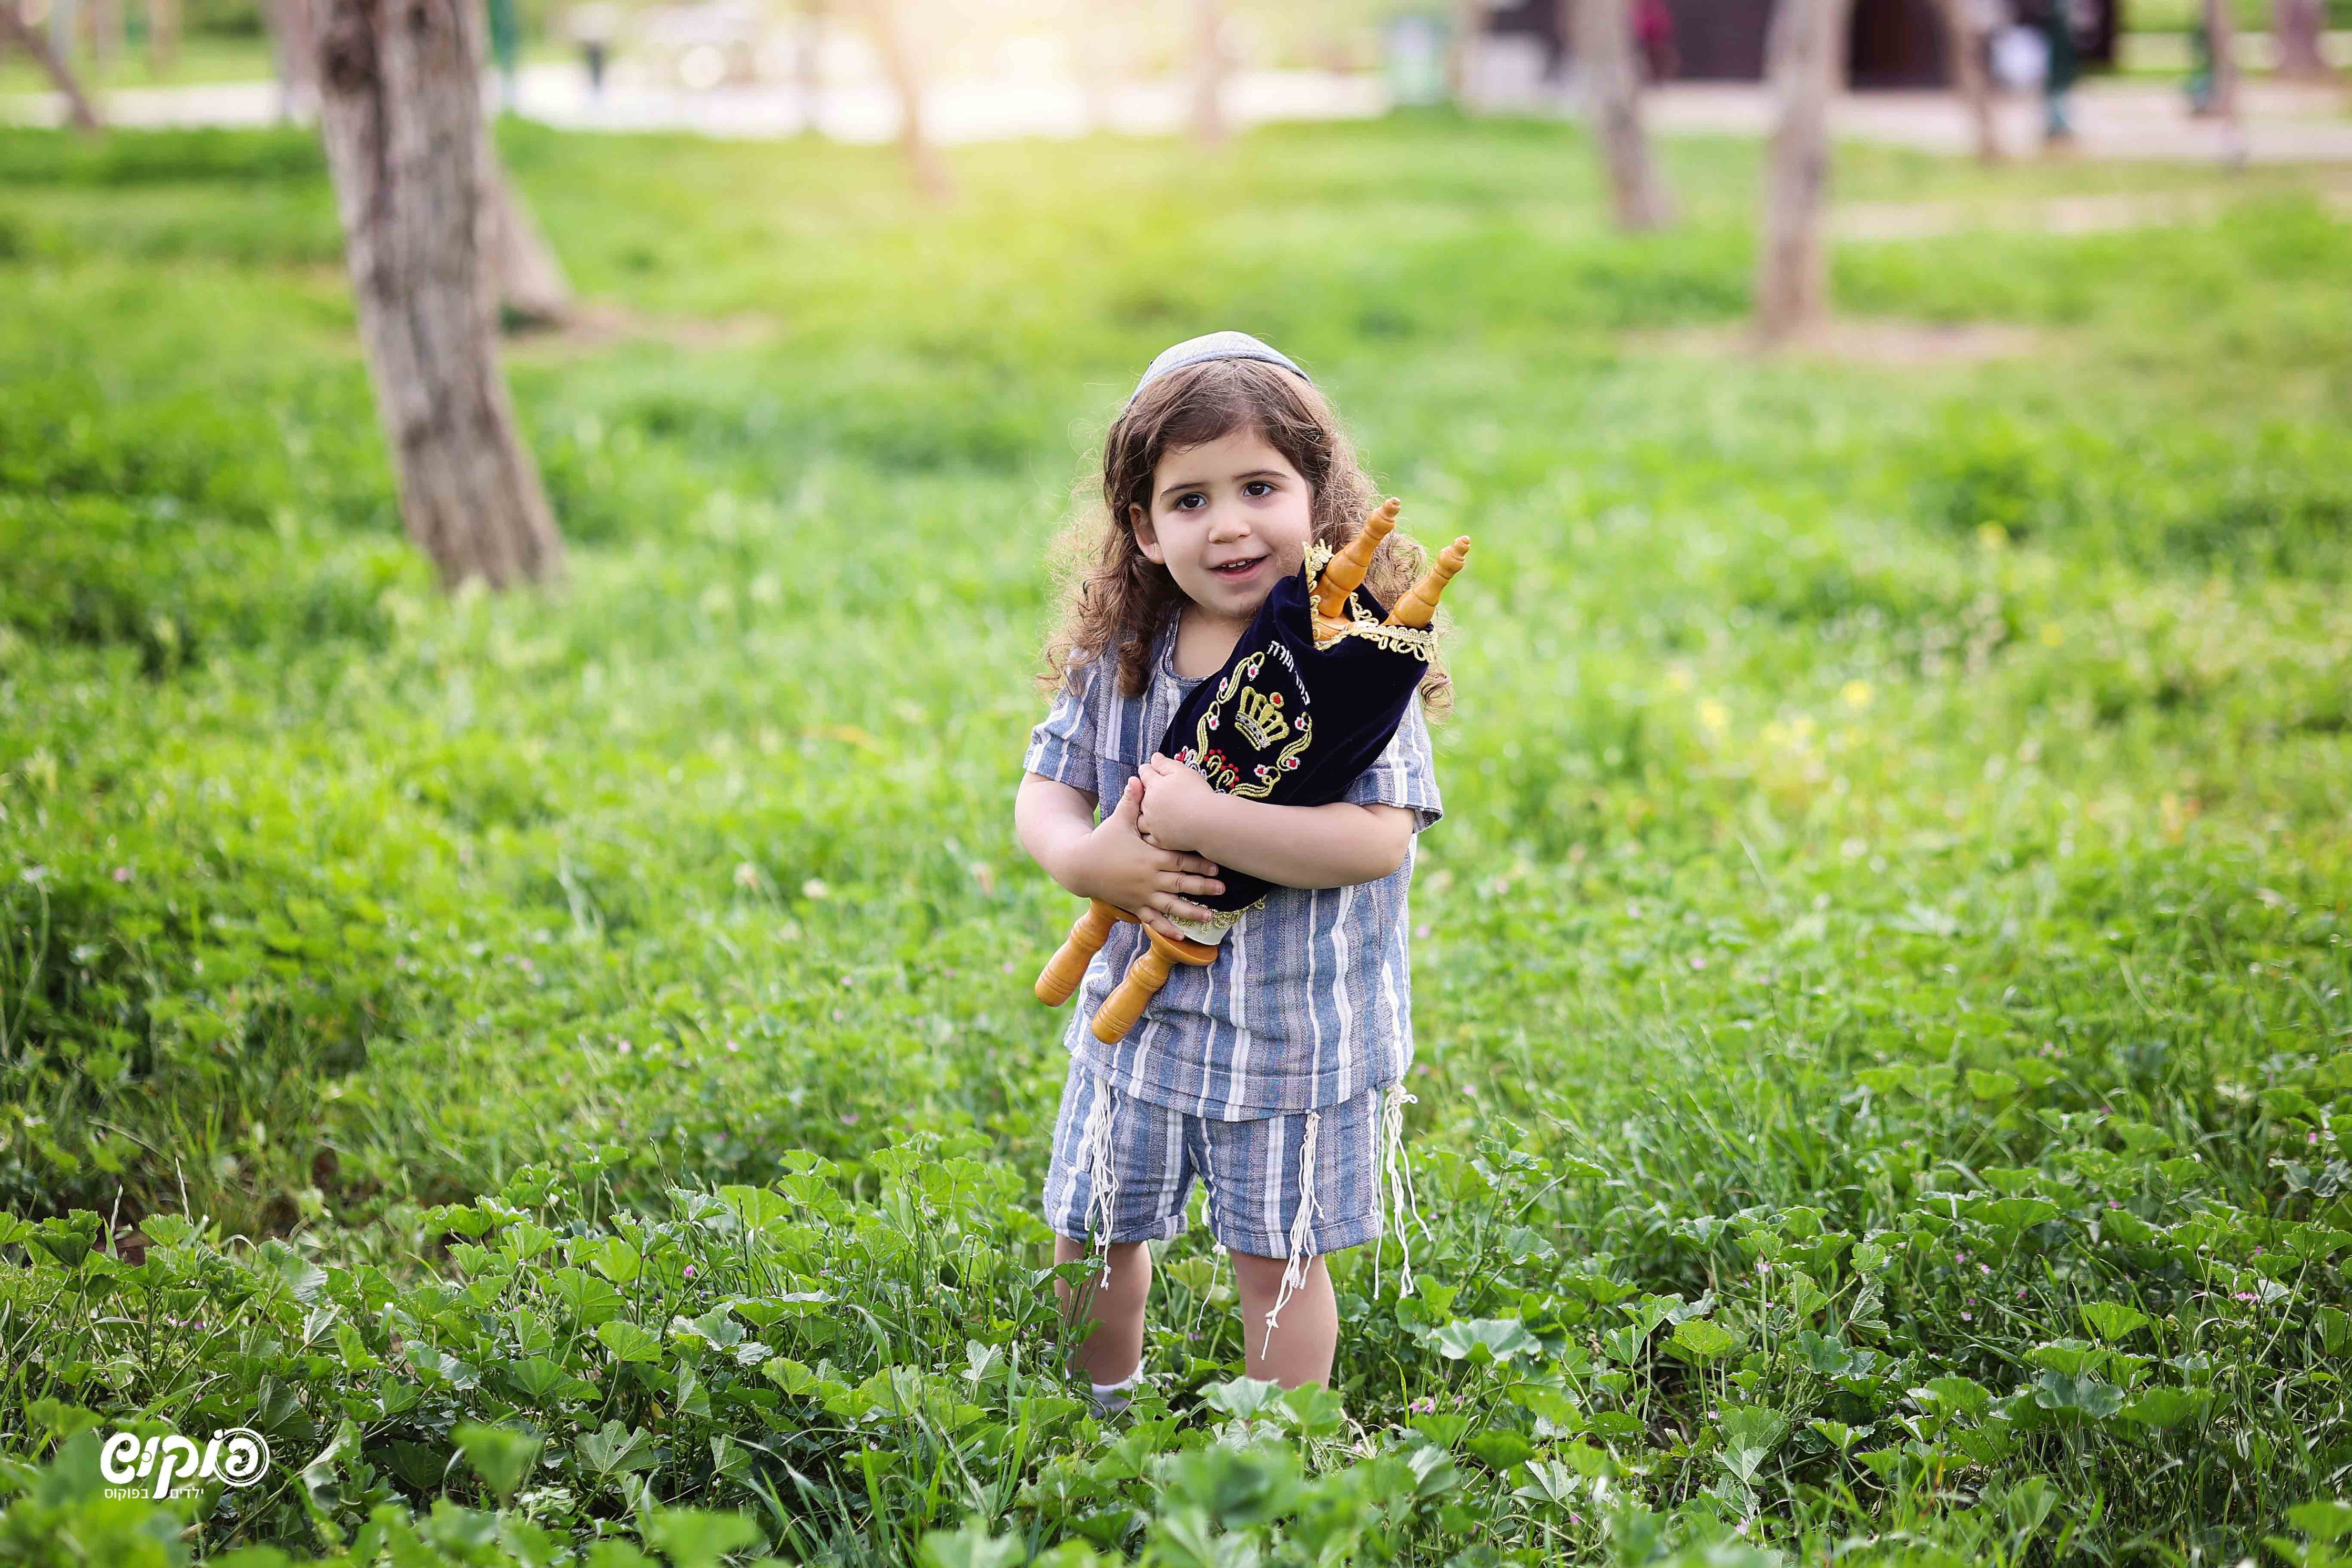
x=1146 y=537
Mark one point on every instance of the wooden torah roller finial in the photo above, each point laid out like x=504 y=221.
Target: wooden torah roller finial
x=1419 y=605
x=1068 y=967
x=1144 y=978
x=1345 y=572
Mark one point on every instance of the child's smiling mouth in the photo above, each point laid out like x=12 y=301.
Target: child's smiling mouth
x=1235 y=571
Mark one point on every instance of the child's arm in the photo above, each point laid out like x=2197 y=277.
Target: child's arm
x=1057 y=825
x=1292 y=846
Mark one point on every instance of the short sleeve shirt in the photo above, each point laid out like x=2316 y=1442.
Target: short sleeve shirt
x=1311 y=1002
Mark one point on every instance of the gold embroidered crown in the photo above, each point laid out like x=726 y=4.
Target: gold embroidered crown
x=1258 y=716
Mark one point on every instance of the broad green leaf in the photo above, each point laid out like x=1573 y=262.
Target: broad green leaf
x=2328 y=1520
x=2011 y=1213
x=1547 y=1481
x=616 y=1260
x=628 y=1341
x=2084 y=1396
x=590 y=1300
x=2163 y=1407
x=1985 y=1085
x=1315 y=1411
x=2112 y=1321
x=1499 y=1448
x=1957 y=1395
x=1500 y=1338
x=501 y=1456
x=1750 y=1433
x=2068 y=1357
x=700 y=1538
x=543 y=1382
x=1242 y=1398
x=1702 y=1340
x=613 y=1449
x=971 y=1546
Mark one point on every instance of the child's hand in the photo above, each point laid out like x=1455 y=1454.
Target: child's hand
x=1177 y=802
x=1119 y=867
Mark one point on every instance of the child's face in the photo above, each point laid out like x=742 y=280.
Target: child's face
x=1228 y=520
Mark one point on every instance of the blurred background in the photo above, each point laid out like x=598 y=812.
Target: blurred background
x=1904 y=726
x=1056 y=68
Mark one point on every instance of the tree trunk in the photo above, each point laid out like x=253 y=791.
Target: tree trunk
x=1802 y=54
x=808 y=62
x=410 y=155
x=163 y=36
x=1965 y=34
x=1462 y=54
x=294 y=52
x=2299 y=26
x=532 y=288
x=897 y=59
x=1208 y=125
x=1603 y=42
x=78 y=113
x=2221 y=36
x=105 y=23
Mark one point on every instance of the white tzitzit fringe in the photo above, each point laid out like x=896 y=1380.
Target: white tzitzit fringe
x=1399 y=1178
x=1302 y=1224
x=1102 y=1180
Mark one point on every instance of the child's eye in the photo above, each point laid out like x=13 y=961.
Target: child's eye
x=1184 y=502
x=1258 y=487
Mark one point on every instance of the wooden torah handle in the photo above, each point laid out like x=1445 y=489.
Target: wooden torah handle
x=1345 y=572
x=1144 y=978
x=1419 y=605
x=1068 y=965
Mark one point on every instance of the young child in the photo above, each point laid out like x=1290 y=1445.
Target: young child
x=1276 y=1073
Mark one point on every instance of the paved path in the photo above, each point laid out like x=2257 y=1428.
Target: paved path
x=958 y=111
x=2114 y=119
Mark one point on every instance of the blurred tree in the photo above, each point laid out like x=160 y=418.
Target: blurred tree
x=1209 y=68
x=532 y=288
x=1967 y=29
x=1802 y=54
x=293 y=54
x=103 y=18
x=887 y=18
x=409 y=154
x=2221 y=63
x=1462 y=51
x=1602 y=40
x=163 y=36
x=79 y=112
x=2299 y=26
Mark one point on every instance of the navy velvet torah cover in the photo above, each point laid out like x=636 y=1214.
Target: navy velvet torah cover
x=1288 y=723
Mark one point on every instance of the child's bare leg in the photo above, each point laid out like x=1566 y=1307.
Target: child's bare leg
x=1116 y=1349
x=1306 y=1334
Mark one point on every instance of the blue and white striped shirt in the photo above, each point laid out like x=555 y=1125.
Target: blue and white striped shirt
x=1310 y=1003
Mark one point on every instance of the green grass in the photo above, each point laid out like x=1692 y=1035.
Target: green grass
x=1882 y=1001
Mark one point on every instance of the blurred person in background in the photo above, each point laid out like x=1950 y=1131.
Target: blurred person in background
x=1654 y=31
x=2054 y=20
x=593 y=27
x=506 y=49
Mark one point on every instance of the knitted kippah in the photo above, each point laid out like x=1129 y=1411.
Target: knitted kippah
x=1217 y=346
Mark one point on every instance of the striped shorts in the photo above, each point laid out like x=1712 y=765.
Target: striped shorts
x=1295 y=1185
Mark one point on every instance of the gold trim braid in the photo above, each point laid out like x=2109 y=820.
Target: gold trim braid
x=1421 y=642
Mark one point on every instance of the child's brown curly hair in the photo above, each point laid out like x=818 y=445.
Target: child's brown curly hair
x=1116 y=602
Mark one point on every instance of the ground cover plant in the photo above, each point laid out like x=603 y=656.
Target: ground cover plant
x=562 y=1067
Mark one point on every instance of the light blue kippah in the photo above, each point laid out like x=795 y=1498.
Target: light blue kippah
x=1217 y=346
